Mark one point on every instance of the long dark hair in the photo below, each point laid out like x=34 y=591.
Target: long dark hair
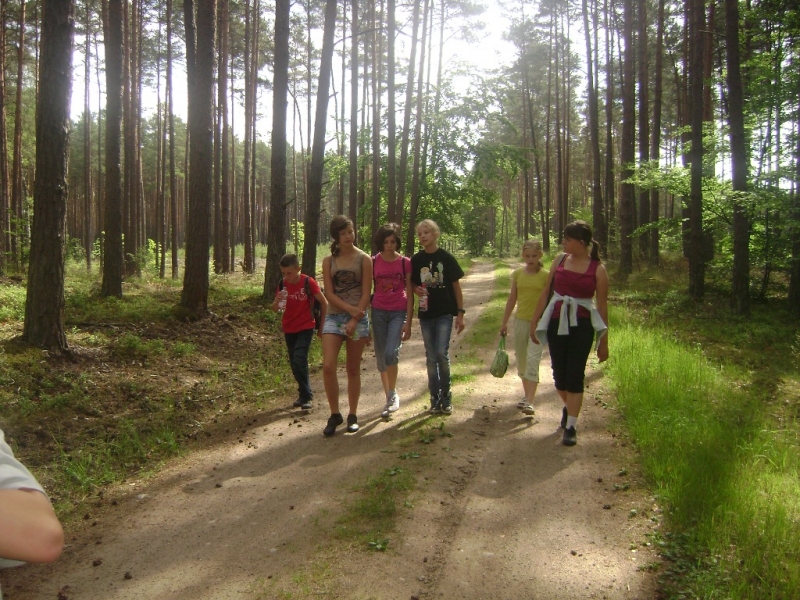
x=338 y=223
x=582 y=231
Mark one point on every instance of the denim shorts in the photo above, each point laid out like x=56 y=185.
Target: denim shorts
x=335 y=323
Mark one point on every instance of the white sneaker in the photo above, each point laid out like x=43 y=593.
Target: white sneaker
x=528 y=409
x=392 y=405
x=522 y=403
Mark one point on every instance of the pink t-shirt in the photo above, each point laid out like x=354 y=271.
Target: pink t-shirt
x=390 y=283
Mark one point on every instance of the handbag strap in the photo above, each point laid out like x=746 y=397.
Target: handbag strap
x=502 y=344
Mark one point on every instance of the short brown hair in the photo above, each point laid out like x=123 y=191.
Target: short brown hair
x=289 y=260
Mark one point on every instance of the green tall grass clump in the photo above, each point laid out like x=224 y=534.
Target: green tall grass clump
x=484 y=331
x=727 y=477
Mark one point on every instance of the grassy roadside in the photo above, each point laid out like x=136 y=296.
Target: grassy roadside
x=484 y=332
x=711 y=402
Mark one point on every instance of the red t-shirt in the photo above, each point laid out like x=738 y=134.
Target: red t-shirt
x=297 y=315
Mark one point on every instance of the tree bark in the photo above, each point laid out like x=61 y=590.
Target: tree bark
x=5 y=212
x=352 y=210
x=408 y=109
x=276 y=235
x=16 y=176
x=415 y=185
x=391 y=125
x=644 y=124
x=44 y=306
x=594 y=127
x=740 y=288
x=627 y=152
x=377 y=53
x=655 y=140
x=201 y=148
x=87 y=145
x=173 y=184
x=794 y=274
x=311 y=223
x=225 y=192
x=112 y=243
x=249 y=259
x=697 y=23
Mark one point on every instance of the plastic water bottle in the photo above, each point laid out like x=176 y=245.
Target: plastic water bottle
x=282 y=295
x=423 y=300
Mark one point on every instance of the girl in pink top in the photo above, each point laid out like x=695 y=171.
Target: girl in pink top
x=578 y=277
x=392 y=309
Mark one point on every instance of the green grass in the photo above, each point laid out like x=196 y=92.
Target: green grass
x=145 y=383
x=720 y=451
x=369 y=520
x=484 y=332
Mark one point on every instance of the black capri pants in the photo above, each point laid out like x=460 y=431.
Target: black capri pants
x=569 y=353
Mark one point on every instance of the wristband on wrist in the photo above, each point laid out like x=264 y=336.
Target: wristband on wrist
x=461 y=310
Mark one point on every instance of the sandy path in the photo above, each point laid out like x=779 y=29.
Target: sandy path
x=502 y=509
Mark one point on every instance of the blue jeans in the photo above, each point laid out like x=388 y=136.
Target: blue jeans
x=298 y=345
x=387 y=327
x=436 y=335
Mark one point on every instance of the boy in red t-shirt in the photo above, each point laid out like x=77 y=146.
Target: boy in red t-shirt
x=295 y=297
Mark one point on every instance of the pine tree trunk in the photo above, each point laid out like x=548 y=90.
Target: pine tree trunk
x=605 y=235
x=173 y=183
x=225 y=195
x=87 y=146
x=391 y=125
x=352 y=209
x=249 y=259
x=697 y=23
x=627 y=152
x=314 y=203
x=655 y=140
x=415 y=186
x=408 y=109
x=44 y=305
x=201 y=123
x=740 y=288
x=112 y=243
x=16 y=177
x=644 y=123
x=276 y=235
x=376 y=124
x=594 y=128
x=5 y=212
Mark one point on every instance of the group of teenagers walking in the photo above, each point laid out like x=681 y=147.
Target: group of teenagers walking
x=370 y=297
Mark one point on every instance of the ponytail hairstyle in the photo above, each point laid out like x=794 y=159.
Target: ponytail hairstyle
x=533 y=245
x=582 y=231
x=338 y=224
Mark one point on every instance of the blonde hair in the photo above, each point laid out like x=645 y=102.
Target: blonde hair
x=533 y=245
x=430 y=225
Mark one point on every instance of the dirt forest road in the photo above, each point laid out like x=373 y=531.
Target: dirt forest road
x=501 y=510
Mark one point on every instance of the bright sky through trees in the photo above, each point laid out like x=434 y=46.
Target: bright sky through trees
x=489 y=53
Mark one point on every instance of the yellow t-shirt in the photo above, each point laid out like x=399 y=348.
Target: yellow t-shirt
x=529 y=287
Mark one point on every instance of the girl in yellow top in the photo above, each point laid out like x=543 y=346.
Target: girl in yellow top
x=527 y=284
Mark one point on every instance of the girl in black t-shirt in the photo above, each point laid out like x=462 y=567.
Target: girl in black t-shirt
x=435 y=274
